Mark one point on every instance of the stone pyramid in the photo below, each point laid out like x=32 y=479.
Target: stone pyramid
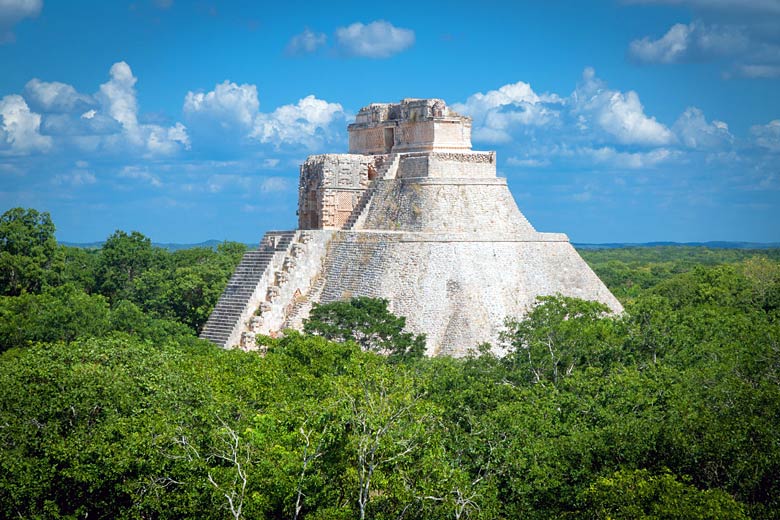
x=412 y=215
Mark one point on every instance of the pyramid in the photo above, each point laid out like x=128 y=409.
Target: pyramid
x=413 y=215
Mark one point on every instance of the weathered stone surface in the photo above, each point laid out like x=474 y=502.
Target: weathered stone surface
x=414 y=216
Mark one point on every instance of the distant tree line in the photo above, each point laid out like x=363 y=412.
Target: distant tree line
x=50 y=291
x=670 y=410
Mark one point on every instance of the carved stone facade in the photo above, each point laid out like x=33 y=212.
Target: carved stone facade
x=412 y=215
x=408 y=126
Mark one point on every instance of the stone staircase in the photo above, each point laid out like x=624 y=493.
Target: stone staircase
x=227 y=314
x=302 y=307
x=388 y=170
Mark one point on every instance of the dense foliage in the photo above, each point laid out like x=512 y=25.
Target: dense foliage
x=369 y=323
x=51 y=292
x=671 y=410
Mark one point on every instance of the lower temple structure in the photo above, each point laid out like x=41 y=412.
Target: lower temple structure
x=414 y=216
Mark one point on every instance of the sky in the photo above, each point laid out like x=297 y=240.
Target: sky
x=613 y=120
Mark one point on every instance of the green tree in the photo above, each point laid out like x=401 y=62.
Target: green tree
x=28 y=251
x=122 y=259
x=558 y=335
x=369 y=323
x=640 y=495
x=62 y=313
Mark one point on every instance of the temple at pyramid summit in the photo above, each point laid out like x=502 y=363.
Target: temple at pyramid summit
x=411 y=214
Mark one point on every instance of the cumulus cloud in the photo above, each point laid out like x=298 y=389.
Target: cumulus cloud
x=690 y=42
x=306 y=122
x=741 y=34
x=14 y=11
x=107 y=121
x=619 y=114
x=117 y=99
x=306 y=42
x=167 y=141
x=90 y=123
x=592 y=112
x=768 y=135
x=54 y=96
x=378 y=39
x=229 y=105
x=235 y=109
x=693 y=130
x=497 y=112
x=594 y=125
x=20 y=128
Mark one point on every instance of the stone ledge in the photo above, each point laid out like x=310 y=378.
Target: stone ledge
x=380 y=235
x=459 y=181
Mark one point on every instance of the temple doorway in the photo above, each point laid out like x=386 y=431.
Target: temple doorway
x=389 y=139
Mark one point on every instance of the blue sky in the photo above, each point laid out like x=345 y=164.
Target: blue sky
x=614 y=121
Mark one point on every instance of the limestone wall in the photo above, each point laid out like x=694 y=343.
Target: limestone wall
x=446 y=206
x=330 y=187
x=286 y=285
x=412 y=125
x=457 y=292
x=467 y=165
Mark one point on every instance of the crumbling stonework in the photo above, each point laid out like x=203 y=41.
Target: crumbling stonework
x=412 y=215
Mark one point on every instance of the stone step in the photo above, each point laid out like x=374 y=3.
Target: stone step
x=233 y=302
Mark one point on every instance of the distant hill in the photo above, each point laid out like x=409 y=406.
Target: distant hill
x=212 y=244
x=712 y=245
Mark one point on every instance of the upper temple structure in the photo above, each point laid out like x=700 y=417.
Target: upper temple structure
x=413 y=215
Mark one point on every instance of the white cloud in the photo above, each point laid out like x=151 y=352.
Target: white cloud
x=55 y=97
x=229 y=104
x=217 y=183
x=497 y=112
x=79 y=176
x=592 y=112
x=693 y=130
x=117 y=99
x=142 y=174
x=105 y=121
x=20 y=128
x=89 y=124
x=768 y=135
x=666 y=49
x=306 y=123
x=167 y=141
x=528 y=163
x=14 y=11
x=621 y=115
x=627 y=160
x=740 y=34
x=758 y=71
x=274 y=184
x=378 y=39
x=689 y=42
x=306 y=42
x=234 y=109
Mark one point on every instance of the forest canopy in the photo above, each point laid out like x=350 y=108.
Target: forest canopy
x=112 y=408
